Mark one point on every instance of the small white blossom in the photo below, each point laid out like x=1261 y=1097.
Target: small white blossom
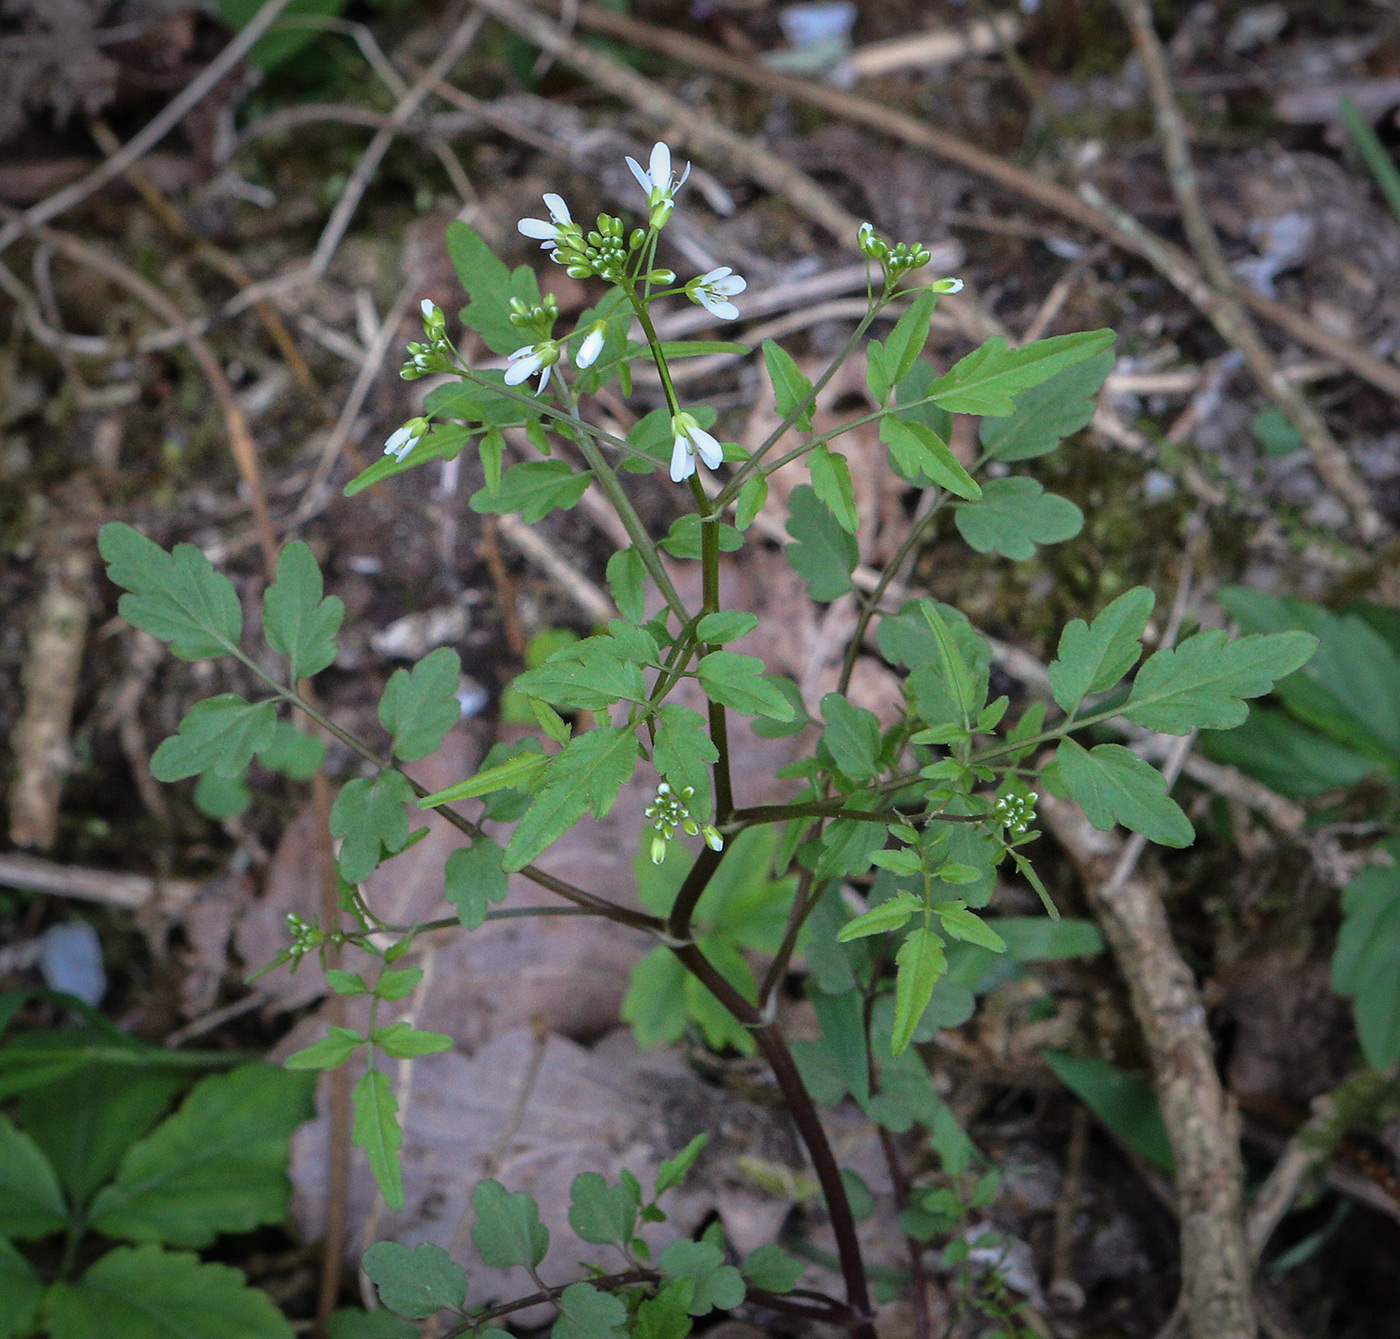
x=591 y=347
x=713 y=291
x=946 y=286
x=659 y=182
x=406 y=438
x=691 y=439
x=547 y=234
x=532 y=358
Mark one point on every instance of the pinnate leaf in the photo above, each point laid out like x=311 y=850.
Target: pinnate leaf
x=772 y=1269
x=852 y=736
x=831 y=477
x=415 y=1283
x=335 y=1048
x=906 y=341
x=1366 y=964
x=822 y=553
x=790 y=385
x=219 y=735
x=918 y=965
x=375 y=1129
x=1094 y=656
x=420 y=706
x=534 y=488
x=1204 y=681
x=177 y=597
x=21 y=1291
x=475 y=878
x=490 y=287
x=1113 y=785
x=300 y=624
x=985 y=381
x=675 y=1169
x=1014 y=515
x=1048 y=413
x=683 y=753
x=737 y=681
x=918 y=452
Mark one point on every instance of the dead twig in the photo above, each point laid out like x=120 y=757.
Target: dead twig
x=1224 y=310
x=110 y=887
x=531 y=542
x=1065 y=1294
x=1308 y=1149
x=150 y=134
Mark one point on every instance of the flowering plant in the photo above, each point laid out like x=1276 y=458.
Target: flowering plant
x=884 y=859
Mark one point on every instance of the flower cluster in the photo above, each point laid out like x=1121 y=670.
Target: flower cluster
x=899 y=258
x=603 y=252
x=307 y=936
x=669 y=811
x=436 y=354
x=1017 y=812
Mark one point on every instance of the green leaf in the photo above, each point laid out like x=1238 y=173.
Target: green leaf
x=586 y=774
x=219 y=735
x=906 y=341
x=877 y=376
x=534 y=488
x=1036 y=939
x=300 y=624
x=475 y=878
x=602 y=1214
x=31 y=1200
x=1049 y=413
x=21 y=1291
x=667 y=1315
x=147 y=1293
x=1112 y=784
x=176 y=597
x=334 y=1049
x=918 y=452
x=369 y=817
x=420 y=706
x=1286 y=755
x=1124 y=1102
x=790 y=385
x=490 y=287
x=737 y=681
x=348 y=1323
x=674 y=1170
x=589 y=675
x=221 y=797
x=986 y=380
x=842 y=1019
x=888 y=915
x=293 y=752
x=1014 y=515
x=627 y=581
x=822 y=553
x=1203 y=681
x=403 y=1041
x=685 y=539
x=852 y=737
x=684 y=752
x=919 y=963
x=415 y=1283
x=960 y=677
x=831 y=478
x=507 y=1230
x=752 y=498
x=1366 y=963
x=1093 y=657
x=772 y=1269
x=398 y=984
x=700 y=348
x=519 y=772
x=442 y=441
x=376 y=1131
x=960 y=923
x=912 y=407
x=718 y=1286
x=587 y=1313
x=217 y=1165
x=85 y=1122
x=726 y=626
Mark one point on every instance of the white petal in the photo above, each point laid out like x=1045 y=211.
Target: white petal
x=682 y=461
x=681 y=181
x=537 y=228
x=711 y=452
x=661 y=165
x=397 y=441
x=707 y=280
x=729 y=287
x=717 y=306
x=643 y=180
x=522 y=369
x=558 y=210
x=427 y=308
x=589 y=350
x=544 y=379
x=521 y=352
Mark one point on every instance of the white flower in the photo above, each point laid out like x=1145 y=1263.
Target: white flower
x=659 y=182
x=712 y=290
x=547 y=234
x=428 y=308
x=946 y=286
x=532 y=358
x=591 y=347
x=406 y=438
x=689 y=439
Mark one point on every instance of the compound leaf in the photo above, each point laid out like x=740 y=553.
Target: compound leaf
x=772 y=1269
x=917 y=452
x=985 y=381
x=587 y=1313
x=683 y=753
x=737 y=681
x=831 y=477
x=1094 y=656
x=376 y=1130
x=21 y=1291
x=919 y=963
x=534 y=488
x=1014 y=515
x=1366 y=964
x=790 y=385
x=718 y=1286
x=219 y=735
x=489 y=287
x=602 y=1214
x=1048 y=413
x=369 y=817
x=852 y=736
x=1113 y=785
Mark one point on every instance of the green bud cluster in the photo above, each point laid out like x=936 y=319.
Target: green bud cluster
x=1017 y=812
x=670 y=810
x=537 y=320
x=307 y=936
x=893 y=260
x=603 y=252
x=436 y=354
